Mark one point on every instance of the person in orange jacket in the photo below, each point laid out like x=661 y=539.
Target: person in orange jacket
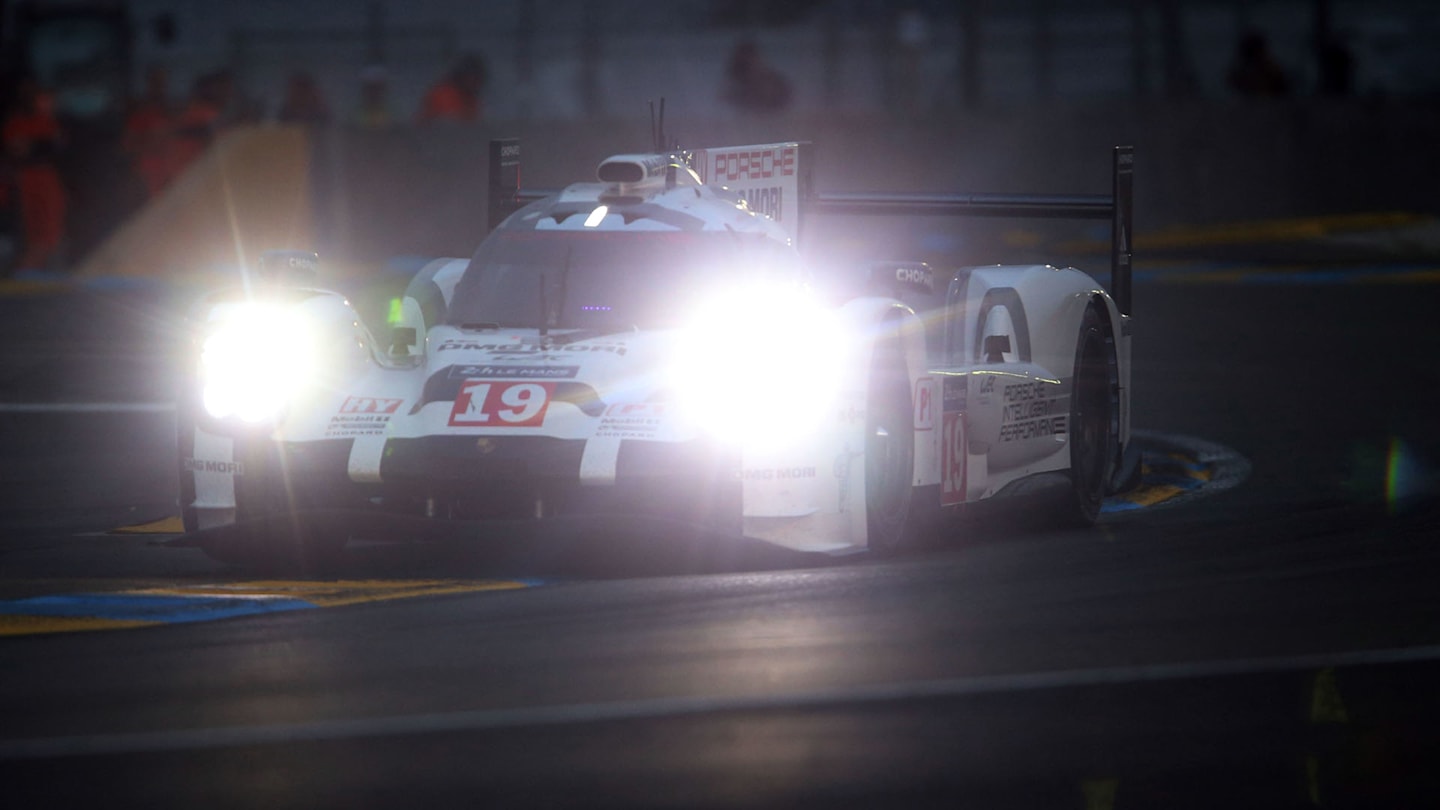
x=198 y=123
x=149 y=134
x=456 y=97
x=32 y=138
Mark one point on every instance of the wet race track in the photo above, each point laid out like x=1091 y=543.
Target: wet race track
x=1270 y=644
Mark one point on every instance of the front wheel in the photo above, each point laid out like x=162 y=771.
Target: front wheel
x=284 y=523
x=889 y=452
x=1092 y=422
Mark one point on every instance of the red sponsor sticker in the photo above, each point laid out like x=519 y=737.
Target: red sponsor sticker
x=483 y=403
x=370 y=405
x=755 y=164
x=924 y=404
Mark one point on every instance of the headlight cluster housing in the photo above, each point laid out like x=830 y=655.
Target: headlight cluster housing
x=260 y=359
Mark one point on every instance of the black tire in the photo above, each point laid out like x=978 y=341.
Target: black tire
x=1092 y=422
x=889 y=452
x=276 y=526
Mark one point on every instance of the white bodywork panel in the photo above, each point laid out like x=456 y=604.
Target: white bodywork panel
x=980 y=422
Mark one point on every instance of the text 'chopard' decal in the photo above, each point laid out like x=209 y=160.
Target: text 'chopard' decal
x=501 y=404
x=209 y=466
x=484 y=370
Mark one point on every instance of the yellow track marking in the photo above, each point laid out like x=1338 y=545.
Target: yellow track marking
x=33 y=287
x=137 y=607
x=1202 y=474
x=1149 y=496
x=339 y=592
x=1276 y=230
x=168 y=525
x=1409 y=277
x=1215 y=277
x=29 y=625
x=1264 y=231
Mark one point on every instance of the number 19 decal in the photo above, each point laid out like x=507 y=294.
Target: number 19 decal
x=501 y=404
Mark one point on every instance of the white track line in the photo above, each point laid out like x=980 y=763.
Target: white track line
x=573 y=714
x=87 y=407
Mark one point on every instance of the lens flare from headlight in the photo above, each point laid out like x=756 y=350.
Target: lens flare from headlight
x=255 y=362
x=759 y=364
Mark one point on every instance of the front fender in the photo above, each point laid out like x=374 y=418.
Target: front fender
x=834 y=519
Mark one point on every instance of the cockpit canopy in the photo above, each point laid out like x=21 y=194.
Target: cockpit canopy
x=609 y=280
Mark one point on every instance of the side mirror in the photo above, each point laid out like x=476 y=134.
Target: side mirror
x=401 y=339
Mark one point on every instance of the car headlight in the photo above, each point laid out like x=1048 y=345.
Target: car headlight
x=758 y=364
x=256 y=360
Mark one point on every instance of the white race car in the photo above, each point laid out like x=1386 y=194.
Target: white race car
x=647 y=344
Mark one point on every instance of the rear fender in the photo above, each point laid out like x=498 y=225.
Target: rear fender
x=1055 y=301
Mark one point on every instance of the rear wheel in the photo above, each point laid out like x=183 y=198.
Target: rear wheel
x=889 y=451
x=1092 y=422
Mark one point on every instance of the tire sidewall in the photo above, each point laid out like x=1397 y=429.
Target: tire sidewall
x=1092 y=437
x=889 y=461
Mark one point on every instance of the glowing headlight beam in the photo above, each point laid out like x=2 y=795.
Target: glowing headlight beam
x=256 y=360
x=759 y=364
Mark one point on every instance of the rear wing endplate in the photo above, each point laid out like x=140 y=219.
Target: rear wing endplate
x=782 y=187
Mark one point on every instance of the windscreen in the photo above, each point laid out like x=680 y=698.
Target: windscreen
x=608 y=281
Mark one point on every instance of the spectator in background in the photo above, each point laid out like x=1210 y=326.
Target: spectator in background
x=912 y=40
x=1254 y=72
x=303 y=103
x=198 y=123
x=236 y=105
x=457 y=96
x=33 y=139
x=753 y=85
x=149 y=133
x=374 y=110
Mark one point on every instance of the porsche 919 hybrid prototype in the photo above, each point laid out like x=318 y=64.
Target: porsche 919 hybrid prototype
x=647 y=345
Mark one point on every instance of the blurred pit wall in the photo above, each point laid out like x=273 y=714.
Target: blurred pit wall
x=422 y=192
x=249 y=192
x=362 y=198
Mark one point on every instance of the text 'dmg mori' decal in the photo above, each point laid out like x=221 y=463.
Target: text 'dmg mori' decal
x=482 y=403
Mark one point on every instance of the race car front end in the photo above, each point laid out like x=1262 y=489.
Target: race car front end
x=707 y=423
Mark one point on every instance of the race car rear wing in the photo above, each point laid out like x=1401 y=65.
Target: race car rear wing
x=777 y=180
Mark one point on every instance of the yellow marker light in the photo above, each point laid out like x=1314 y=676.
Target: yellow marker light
x=257 y=359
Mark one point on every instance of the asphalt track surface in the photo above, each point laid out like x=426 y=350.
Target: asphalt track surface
x=1271 y=645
